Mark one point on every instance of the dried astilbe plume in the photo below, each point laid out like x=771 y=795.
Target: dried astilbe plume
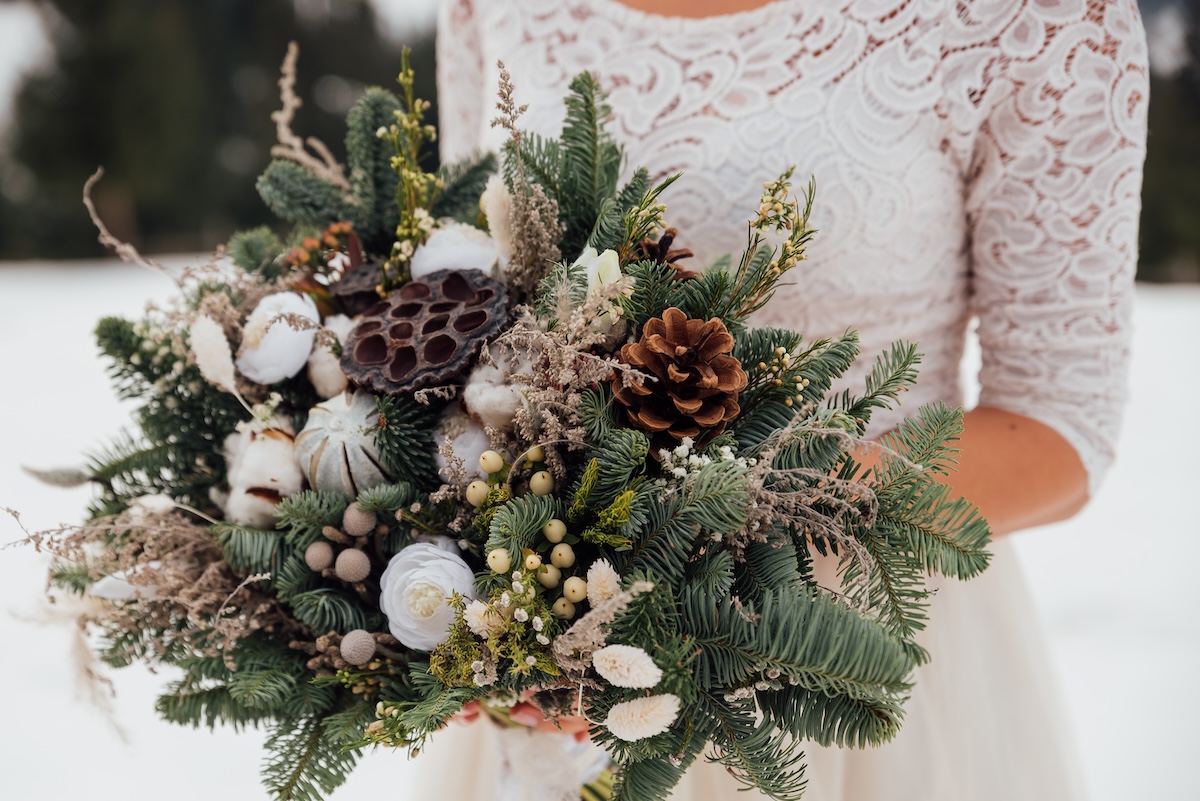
x=573 y=648
x=290 y=145
x=533 y=216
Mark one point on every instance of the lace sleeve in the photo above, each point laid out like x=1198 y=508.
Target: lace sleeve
x=460 y=78
x=1058 y=98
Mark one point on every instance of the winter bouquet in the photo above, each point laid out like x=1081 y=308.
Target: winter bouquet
x=479 y=441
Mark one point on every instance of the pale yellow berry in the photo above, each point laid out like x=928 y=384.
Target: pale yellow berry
x=533 y=561
x=563 y=609
x=477 y=492
x=555 y=530
x=563 y=555
x=499 y=560
x=536 y=454
x=574 y=589
x=549 y=576
x=491 y=462
x=541 y=483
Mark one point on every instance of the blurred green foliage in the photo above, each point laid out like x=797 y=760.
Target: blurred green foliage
x=173 y=98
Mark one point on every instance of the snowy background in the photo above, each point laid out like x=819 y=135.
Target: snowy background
x=1114 y=586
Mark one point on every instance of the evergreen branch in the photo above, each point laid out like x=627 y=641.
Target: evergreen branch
x=303 y=763
x=894 y=372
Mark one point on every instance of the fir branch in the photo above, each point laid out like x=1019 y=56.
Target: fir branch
x=303 y=762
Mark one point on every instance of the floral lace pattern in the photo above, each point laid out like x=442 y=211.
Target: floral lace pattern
x=973 y=158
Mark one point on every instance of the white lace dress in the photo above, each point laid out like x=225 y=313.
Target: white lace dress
x=974 y=158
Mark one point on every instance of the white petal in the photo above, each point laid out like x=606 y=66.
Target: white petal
x=271 y=351
x=212 y=352
x=626 y=666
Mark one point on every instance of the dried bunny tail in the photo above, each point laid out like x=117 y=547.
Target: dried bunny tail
x=214 y=357
x=573 y=648
x=125 y=251
x=290 y=145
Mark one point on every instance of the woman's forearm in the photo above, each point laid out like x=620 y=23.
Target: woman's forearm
x=1019 y=472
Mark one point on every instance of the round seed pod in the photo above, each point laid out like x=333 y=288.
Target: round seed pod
x=426 y=333
x=352 y=565
x=319 y=555
x=336 y=450
x=358 y=647
x=358 y=522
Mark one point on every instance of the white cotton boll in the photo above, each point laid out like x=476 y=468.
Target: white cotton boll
x=455 y=246
x=262 y=470
x=325 y=368
x=272 y=352
x=496 y=205
x=642 y=717
x=603 y=582
x=211 y=351
x=467 y=438
x=246 y=509
x=626 y=666
x=490 y=400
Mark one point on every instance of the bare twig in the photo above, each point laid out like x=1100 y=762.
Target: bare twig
x=125 y=251
x=291 y=146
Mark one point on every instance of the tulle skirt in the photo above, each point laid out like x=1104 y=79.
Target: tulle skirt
x=984 y=723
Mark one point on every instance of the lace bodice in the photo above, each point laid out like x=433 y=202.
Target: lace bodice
x=973 y=158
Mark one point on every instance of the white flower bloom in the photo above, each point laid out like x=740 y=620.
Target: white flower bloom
x=213 y=356
x=442 y=541
x=455 y=246
x=271 y=352
x=626 y=666
x=642 y=717
x=482 y=620
x=495 y=203
x=603 y=582
x=543 y=639
x=521 y=615
x=415 y=590
x=324 y=368
x=601 y=268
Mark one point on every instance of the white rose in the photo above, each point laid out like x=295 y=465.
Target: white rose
x=455 y=246
x=272 y=352
x=415 y=592
x=324 y=368
x=495 y=203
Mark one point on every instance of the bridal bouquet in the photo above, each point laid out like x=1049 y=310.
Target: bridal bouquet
x=482 y=438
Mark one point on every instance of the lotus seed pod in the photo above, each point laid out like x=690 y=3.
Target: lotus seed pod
x=563 y=555
x=319 y=555
x=477 y=492
x=549 y=576
x=358 y=522
x=352 y=565
x=491 y=462
x=499 y=560
x=533 y=561
x=563 y=609
x=555 y=530
x=541 y=483
x=575 y=589
x=358 y=646
x=536 y=454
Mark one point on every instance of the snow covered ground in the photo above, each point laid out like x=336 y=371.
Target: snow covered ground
x=1114 y=586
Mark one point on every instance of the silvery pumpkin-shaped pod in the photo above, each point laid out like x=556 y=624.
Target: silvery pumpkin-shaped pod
x=336 y=450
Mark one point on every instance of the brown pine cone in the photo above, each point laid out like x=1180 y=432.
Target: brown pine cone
x=661 y=251
x=698 y=381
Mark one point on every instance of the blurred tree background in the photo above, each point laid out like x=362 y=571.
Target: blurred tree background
x=174 y=98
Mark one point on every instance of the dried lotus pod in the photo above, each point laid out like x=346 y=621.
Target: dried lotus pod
x=426 y=333
x=355 y=290
x=336 y=450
